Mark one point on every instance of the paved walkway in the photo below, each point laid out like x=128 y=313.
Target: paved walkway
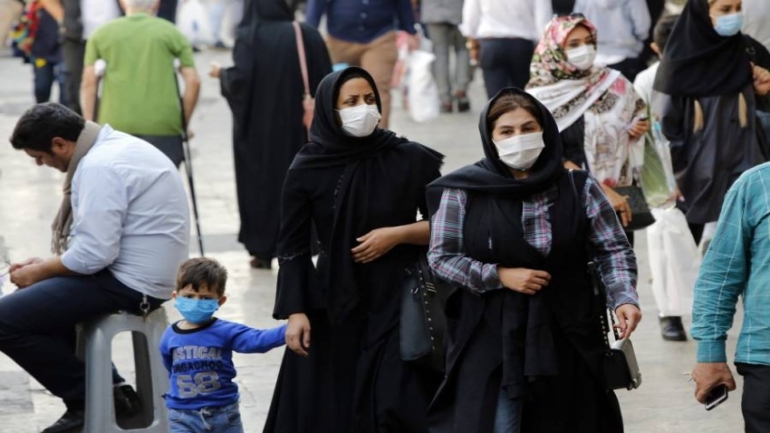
x=29 y=197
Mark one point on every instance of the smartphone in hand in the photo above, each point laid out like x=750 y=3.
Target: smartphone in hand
x=716 y=396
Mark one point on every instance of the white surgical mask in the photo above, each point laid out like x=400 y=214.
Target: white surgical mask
x=360 y=121
x=582 y=57
x=521 y=151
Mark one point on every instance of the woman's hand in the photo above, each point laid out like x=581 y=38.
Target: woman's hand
x=526 y=281
x=639 y=129
x=620 y=204
x=298 y=334
x=216 y=70
x=629 y=317
x=376 y=244
x=761 y=80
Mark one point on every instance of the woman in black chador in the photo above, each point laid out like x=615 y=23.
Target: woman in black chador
x=264 y=88
x=713 y=79
x=362 y=188
x=516 y=230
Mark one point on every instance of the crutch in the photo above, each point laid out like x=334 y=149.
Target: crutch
x=188 y=158
x=100 y=68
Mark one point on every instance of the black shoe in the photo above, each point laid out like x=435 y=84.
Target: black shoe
x=127 y=402
x=258 y=263
x=72 y=421
x=463 y=103
x=671 y=329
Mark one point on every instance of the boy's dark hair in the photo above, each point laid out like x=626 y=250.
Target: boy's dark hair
x=202 y=271
x=663 y=30
x=40 y=124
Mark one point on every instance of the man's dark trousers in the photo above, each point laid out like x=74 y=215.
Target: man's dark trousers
x=37 y=327
x=755 y=402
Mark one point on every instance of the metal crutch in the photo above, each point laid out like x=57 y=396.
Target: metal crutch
x=188 y=159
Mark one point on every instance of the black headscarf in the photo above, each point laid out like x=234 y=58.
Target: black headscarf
x=365 y=160
x=256 y=11
x=698 y=62
x=492 y=176
x=329 y=145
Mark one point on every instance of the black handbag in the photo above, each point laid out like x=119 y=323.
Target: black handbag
x=621 y=370
x=641 y=217
x=423 y=321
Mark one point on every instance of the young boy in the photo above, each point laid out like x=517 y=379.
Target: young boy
x=198 y=350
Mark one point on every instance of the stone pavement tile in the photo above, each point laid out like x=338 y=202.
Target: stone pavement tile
x=29 y=197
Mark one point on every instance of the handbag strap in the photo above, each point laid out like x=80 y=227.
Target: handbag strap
x=302 y=58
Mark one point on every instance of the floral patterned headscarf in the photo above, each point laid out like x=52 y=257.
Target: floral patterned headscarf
x=569 y=93
x=549 y=64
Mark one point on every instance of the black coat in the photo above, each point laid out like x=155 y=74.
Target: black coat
x=264 y=89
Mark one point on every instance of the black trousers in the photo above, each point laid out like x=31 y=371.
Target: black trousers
x=37 y=327
x=505 y=63
x=170 y=145
x=74 y=53
x=755 y=402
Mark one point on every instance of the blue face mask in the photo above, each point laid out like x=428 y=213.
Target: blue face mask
x=729 y=25
x=196 y=310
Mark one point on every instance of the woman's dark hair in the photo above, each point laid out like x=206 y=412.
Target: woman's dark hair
x=663 y=30
x=202 y=271
x=42 y=123
x=509 y=102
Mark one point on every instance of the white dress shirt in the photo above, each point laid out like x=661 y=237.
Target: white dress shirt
x=756 y=20
x=130 y=215
x=622 y=26
x=94 y=13
x=524 y=19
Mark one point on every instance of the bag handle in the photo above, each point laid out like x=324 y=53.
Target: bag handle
x=302 y=59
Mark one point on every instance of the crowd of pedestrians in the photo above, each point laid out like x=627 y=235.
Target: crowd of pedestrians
x=604 y=117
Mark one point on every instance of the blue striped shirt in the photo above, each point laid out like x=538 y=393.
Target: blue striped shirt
x=737 y=264
x=609 y=245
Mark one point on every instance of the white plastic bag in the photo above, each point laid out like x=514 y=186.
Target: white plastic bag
x=193 y=21
x=674 y=262
x=423 y=97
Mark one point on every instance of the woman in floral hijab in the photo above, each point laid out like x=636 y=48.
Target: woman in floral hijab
x=601 y=119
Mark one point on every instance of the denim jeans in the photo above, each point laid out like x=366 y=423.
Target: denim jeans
x=37 y=327
x=45 y=76
x=224 y=419
x=508 y=414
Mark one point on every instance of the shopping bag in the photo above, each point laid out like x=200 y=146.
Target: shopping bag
x=657 y=173
x=423 y=97
x=674 y=261
x=193 y=22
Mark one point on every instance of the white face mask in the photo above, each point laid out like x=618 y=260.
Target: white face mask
x=582 y=57
x=521 y=152
x=360 y=121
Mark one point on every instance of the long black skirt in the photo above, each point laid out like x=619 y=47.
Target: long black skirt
x=350 y=385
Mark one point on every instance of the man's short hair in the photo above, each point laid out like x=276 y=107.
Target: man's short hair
x=143 y=5
x=42 y=123
x=663 y=31
x=202 y=271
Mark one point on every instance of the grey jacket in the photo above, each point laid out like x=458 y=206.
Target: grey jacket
x=442 y=11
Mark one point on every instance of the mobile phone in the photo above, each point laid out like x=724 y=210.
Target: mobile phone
x=716 y=396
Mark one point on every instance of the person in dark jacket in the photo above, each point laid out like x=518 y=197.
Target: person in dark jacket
x=361 y=186
x=264 y=88
x=516 y=232
x=713 y=78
